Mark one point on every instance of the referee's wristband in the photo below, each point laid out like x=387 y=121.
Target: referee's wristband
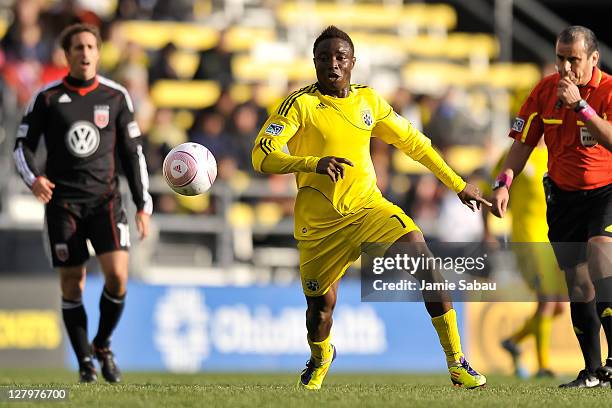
x=587 y=113
x=503 y=180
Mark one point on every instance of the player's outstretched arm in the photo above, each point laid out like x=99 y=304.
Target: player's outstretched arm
x=333 y=166
x=472 y=197
x=513 y=165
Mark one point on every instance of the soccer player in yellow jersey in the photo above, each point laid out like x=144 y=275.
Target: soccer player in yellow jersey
x=535 y=258
x=327 y=127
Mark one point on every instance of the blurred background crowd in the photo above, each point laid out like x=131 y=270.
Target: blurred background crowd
x=210 y=71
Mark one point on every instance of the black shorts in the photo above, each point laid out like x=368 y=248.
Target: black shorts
x=574 y=217
x=70 y=225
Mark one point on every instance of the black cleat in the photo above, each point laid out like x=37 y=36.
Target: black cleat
x=110 y=371
x=605 y=373
x=87 y=371
x=585 y=379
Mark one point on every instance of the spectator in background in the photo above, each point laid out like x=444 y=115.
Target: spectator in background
x=216 y=63
x=404 y=103
x=175 y=10
x=160 y=67
x=163 y=136
x=245 y=126
x=24 y=39
x=210 y=131
x=56 y=68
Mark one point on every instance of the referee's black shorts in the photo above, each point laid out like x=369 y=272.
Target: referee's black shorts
x=574 y=217
x=70 y=225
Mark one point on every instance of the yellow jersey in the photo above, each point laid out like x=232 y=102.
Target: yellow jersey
x=527 y=198
x=314 y=125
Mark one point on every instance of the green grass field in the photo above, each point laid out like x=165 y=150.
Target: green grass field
x=278 y=390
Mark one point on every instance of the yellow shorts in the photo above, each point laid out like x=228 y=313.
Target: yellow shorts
x=537 y=264
x=324 y=261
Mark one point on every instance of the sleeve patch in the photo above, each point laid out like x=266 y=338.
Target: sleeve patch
x=133 y=129
x=22 y=131
x=518 y=124
x=274 y=129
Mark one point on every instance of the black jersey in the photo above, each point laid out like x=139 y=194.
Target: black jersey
x=86 y=124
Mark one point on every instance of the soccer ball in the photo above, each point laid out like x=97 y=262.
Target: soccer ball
x=190 y=169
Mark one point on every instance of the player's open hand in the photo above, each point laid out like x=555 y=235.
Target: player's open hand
x=333 y=166
x=43 y=189
x=142 y=224
x=472 y=197
x=500 y=199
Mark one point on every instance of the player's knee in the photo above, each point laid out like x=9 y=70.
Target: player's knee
x=116 y=284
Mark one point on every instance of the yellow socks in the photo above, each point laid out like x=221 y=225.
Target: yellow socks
x=446 y=326
x=321 y=352
x=542 y=334
x=529 y=327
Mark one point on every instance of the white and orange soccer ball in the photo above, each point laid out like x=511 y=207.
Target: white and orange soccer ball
x=190 y=169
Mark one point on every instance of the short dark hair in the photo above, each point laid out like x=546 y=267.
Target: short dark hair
x=333 y=32
x=575 y=33
x=65 y=38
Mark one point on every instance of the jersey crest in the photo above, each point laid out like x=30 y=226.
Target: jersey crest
x=366 y=116
x=101 y=115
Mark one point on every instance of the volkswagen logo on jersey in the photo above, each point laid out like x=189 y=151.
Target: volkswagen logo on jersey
x=82 y=139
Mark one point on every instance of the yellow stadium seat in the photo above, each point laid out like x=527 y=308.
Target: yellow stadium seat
x=512 y=76
x=184 y=94
x=156 y=34
x=240 y=38
x=4 y=25
x=249 y=69
x=240 y=215
x=404 y=164
x=368 y=16
x=268 y=214
x=465 y=159
x=184 y=63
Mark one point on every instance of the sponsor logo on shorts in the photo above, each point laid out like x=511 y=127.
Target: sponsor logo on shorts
x=274 y=129
x=312 y=285
x=61 y=252
x=518 y=124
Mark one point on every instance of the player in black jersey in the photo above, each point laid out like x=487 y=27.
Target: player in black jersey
x=87 y=121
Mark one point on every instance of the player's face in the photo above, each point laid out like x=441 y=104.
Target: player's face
x=573 y=61
x=334 y=61
x=83 y=55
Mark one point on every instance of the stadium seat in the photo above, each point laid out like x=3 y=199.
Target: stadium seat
x=169 y=93
x=154 y=35
x=241 y=38
x=184 y=62
x=465 y=159
x=249 y=69
x=404 y=164
x=512 y=76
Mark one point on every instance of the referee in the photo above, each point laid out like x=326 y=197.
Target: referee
x=87 y=121
x=572 y=109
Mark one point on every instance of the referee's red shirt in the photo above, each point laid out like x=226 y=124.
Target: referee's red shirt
x=575 y=160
